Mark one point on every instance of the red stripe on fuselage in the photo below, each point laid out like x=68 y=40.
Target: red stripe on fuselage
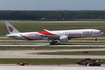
x=26 y=37
x=47 y=33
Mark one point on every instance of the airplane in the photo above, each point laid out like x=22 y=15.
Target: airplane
x=61 y=35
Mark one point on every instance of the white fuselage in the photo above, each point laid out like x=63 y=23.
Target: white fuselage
x=62 y=35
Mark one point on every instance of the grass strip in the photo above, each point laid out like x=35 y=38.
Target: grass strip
x=40 y=61
x=43 y=48
x=76 y=53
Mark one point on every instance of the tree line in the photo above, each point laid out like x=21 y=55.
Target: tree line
x=51 y=15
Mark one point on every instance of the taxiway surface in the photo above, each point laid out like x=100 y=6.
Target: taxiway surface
x=50 y=68
x=58 y=44
x=34 y=54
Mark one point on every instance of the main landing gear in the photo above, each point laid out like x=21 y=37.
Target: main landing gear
x=53 y=42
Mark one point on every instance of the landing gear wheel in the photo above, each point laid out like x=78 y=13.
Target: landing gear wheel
x=96 y=39
x=55 y=42
x=52 y=43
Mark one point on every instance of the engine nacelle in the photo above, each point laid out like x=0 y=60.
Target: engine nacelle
x=63 y=39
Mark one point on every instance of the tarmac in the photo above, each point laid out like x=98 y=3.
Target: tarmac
x=50 y=68
x=58 y=44
x=34 y=54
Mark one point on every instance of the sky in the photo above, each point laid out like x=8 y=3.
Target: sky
x=52 y=4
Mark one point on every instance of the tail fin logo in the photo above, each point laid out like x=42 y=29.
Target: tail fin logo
x=10 y=29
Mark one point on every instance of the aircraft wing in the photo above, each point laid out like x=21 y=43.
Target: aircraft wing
x=48 y=34
x=49 y=37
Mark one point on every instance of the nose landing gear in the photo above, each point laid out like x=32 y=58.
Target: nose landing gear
x=96 y=39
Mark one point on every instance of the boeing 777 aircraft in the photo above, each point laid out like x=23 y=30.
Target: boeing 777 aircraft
x=61 y=35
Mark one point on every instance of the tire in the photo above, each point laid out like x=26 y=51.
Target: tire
x=90 y=64
x=98 y=64
x=94 y=64
x=51 y=43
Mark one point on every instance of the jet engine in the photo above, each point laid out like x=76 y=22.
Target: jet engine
x=63 y=38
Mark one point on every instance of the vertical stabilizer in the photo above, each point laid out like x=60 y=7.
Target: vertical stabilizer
x=11 y=28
